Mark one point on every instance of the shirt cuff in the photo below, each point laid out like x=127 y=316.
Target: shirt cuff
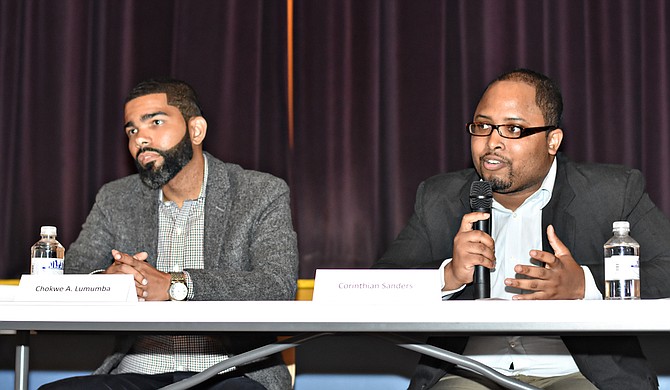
x=591 y=291
x=446 y=295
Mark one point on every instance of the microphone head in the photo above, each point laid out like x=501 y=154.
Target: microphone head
x=481 y=195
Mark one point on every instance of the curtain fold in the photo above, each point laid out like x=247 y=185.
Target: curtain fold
x=65 y=68
x=382 y=91
x=410 y=74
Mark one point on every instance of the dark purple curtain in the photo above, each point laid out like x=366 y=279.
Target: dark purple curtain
x=65 y=68
x=382 y=91
x=384 y=88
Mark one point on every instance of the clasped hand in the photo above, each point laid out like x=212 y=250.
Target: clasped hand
x=560 y=277
x=150 y=283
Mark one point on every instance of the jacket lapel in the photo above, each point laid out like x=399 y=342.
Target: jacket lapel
x=147 y=235
x=556 y=211
x=217 y=208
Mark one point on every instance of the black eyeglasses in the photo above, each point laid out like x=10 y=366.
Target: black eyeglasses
x=505 y=131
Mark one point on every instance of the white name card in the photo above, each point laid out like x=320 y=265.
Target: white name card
x=377 y=285
x=76 y=288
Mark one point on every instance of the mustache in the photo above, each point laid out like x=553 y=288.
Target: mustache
x=490 y=155
x=148 y=149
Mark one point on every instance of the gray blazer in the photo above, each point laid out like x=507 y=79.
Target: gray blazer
x=250 y=248
x=586 y=199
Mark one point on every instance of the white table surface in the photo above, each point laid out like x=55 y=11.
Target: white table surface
x=483 y=316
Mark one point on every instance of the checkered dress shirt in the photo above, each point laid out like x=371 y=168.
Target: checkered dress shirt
x=180 y=247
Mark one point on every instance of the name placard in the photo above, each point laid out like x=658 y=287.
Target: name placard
x=377 y=285
x=76 y=288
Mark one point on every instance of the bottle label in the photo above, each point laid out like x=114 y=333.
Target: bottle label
x=46 y=266
x=620 y=267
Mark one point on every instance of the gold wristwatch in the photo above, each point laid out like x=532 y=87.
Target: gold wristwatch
x=178 y=290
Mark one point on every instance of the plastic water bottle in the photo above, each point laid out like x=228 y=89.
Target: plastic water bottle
x=622 y=264
x=46 y=256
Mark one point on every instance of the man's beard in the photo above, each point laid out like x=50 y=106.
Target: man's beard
x=174 y=160
x=500 y=185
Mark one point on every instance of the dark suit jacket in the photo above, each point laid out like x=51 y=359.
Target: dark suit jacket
x=249 y=247
x=586 y=199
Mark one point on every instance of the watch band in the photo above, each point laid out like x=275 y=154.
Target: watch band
x=177 y=277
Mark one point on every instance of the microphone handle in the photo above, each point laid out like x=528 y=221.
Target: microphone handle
x=482 y=277
x=482 y=282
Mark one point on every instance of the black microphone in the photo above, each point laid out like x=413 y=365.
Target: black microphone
x=481 y=199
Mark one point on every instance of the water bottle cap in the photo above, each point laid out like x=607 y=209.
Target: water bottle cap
x=621 y=225
x=48 y=230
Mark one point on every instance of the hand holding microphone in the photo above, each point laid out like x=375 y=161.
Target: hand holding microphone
x=473 y=245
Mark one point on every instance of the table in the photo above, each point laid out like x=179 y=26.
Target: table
x=311 y=318
x=484 y=316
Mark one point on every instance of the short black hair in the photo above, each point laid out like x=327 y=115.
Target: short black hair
x=179 y=94
x=547 y=93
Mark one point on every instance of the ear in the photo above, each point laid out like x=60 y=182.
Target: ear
x=197 y=126
x=554 y=139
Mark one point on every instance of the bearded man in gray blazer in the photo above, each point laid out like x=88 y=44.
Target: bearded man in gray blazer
x=550 y=220
x=188 y=226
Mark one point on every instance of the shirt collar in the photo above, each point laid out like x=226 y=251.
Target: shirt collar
x=547 y=188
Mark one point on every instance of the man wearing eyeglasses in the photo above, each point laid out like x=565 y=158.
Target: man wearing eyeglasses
x=550 y=219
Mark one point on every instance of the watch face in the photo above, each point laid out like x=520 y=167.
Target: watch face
x=178 y=291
